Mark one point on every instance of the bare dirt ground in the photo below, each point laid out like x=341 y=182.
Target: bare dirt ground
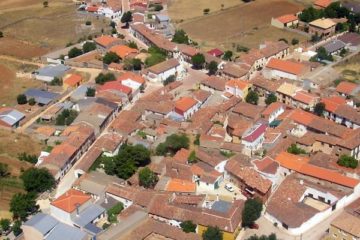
x=244 y=24
x=350 y=69
x=12 y=85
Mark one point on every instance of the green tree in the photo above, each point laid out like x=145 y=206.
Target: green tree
x=114 y=211
x=4 y=170
x=192 y=157
x=136 y=64
x=212 y=233
x=31 y=158
x=111 y=57
x=132 y=44
x=198 y=61
x=271 y=98
x=16 y=228
x=1 y=34
x=311 y=14
x=126 y=17
x=157 y=7
x=103 y=78
x=323 y=55
x=169 y=80
x=74 y=52
x=21 y=99
x=181 y=37
x=5 y=224
x=319 y=108
x=88 y=47
x=252 y=97
x=212 y=67
x=147 y=178
x=37 y=180
x=56 y=82
x=188 y=226
x=66 y=117
x=251 y=212
x=347 y=161
x=32 y=101
x=294 y=41
x=294 y=149
x=23 y=204
x=228 y=55
x=172 y=144
x=90 y=92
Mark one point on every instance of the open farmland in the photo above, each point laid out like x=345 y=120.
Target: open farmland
x=13 y=81
x=45 y=28
x=241 y=25
x=12 y=144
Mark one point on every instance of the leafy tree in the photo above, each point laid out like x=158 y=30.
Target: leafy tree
x=271 y=98
x=206 y=11
x=5 y=224
x=341 y=27
x=294 y=149
x=1 y=34
x=23 y=204
x=126 y=17
x=227 y=55
x=4 y=170
x=74 y=52
x=311 y=14
x=198 y=61
x=31 y=158
x=90 y=92
x=294 y=41
x=181 y=37
x=132 y=44
x=263 y=237
x=136 y=63
x=188 y=226
x=88 y=47
x=32 y=102
x=192 y=157
x=45 y=4
x=66 y=117
x=347 y=161
x=323 y=55
x=88 y=23
x=172 y=144
x=103 y=78
x=16 y=228
x=319 y=108
x=169 y=80
x=212 y=67
x=252 y=97
x=37 y=180
x=157 y=7
x=111 y=57
x=21 y=99
x=114 y=211
x=212 y=233
x=251 y=212
x=147 y=178
x=56 y=82
x=352 y=26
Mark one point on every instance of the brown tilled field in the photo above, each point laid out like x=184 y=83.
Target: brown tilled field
x=245 y=24
x=12 y=85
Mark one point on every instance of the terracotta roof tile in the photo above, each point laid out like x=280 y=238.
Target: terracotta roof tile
x=69 y=201
x=286 y=66
x=287 y=18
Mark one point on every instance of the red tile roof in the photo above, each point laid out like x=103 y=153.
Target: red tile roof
x=105 y=40
x=332 y=103
x=70 y=200
x=287 y=18
x=236 y=83
x=123 y=51
x=73 y=80
x=185 y=103
x=215 y=52
x=131 y=76
x=179 y=185
x=92 y=8
x=286 y=66
x=255 y=134
x=346 y=87
x=272 y=108
x=322 y=3
x=305 y=97
x=114 y=85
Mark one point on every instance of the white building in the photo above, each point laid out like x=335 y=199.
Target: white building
x=160 y=72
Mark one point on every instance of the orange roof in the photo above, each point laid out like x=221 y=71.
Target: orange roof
x=123 y=50
x=291 y=161
x=332 y=103
x=287 y=18
x=322 y=3
x=46 y=130
x=179 y=185
x=301 y=165
x=346 y=87
x=286 y=66
x=132 y=76
x=236 y=83
x=185 y=103
x=69 y=200
x=301 y=117
x=271 y=108
x=182 y=155
x=304 y=97
x=73 y=80
x=105 y=40
x=64 y=148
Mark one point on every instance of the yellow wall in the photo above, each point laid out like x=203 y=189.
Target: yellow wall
x=226 y=235
x=337 y=234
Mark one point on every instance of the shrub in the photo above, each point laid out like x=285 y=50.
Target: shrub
x=172 y=144
x=103 y=78
x=347 y=161
x=21 y=99
x=28 y=158
x=251 y=212
x=111 y=57
x=188 y=226
x=90 y=92
x=88 y=47
x=56 y=82
x=192 y=157
x=169 y=80
x=294 y=149
x=114 y=211
x=147 y=178
x=88 y=23
x=66 y=117
x=252 y=97
x=294 y=41
x=1 y=34
x=206 y=11
x=270 y=99
x=74 y=52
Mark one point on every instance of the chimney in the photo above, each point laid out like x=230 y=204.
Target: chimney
x=77 y=209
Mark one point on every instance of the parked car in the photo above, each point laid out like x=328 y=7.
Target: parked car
x=229 y=187
x=254 y=226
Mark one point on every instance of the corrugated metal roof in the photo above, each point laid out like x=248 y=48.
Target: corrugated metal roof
x=88 y=215
x=42 y=222
x=53 y=71
x=11 y=116
x=63 y=231
x=334 y=46
x=40 y=96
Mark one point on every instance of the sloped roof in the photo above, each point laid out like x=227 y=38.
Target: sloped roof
x=68 y=201
x=286 y=66
x=287 y=18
